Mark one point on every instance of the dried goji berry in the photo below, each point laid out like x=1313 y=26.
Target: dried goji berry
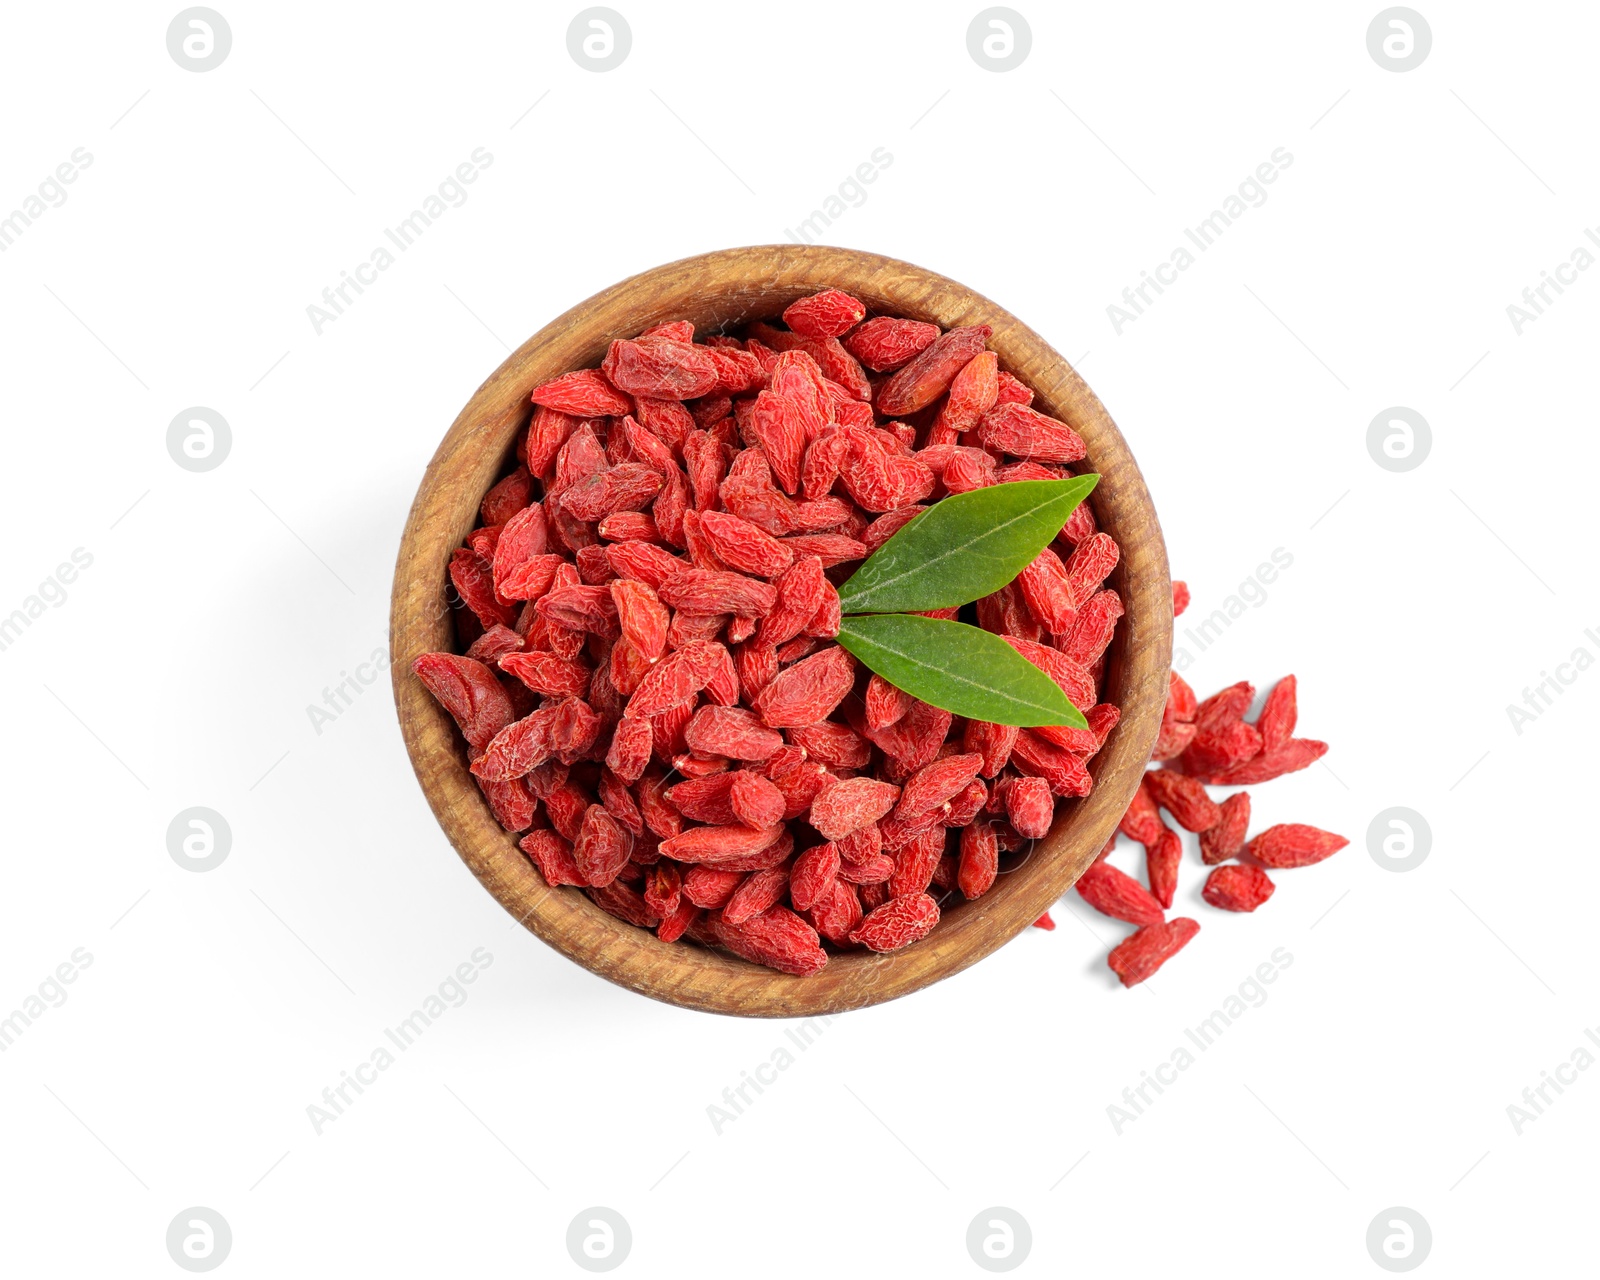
x=824 y=315
x=1293 y=844
x=1237 y=887
x=1139 y=955
x=850 y=805
x=1224 y=840
x=898 y=922
x=1184 y=798
x=1116 y=894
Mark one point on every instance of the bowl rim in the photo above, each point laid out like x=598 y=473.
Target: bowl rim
x=737 y=285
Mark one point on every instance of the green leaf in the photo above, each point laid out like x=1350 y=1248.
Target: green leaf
x=963 y=669
x=967 y=546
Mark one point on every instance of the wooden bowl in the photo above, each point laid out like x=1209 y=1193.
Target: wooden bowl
x=727 y=289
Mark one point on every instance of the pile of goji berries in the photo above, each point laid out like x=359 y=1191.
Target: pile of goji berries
x=1204 y=744
x=646 y=686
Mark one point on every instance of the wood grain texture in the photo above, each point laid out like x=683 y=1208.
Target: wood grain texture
x=720 y=290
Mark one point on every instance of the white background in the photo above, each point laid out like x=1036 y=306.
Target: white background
x=179 y=667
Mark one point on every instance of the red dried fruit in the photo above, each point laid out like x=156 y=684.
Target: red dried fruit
x=1162 y=859
x=930 y=374
x=835 y=745
x=776 y=938
x=1049 y=593
x=742 y=546
x=1237 y=887
x=1092 y=632
x=1180 y=597
x=1293 y=844
x=824 y=315
x=875 y=870
x=1026 y=433
x=602 y=847
x=1090 y=565
x=973 y=393
x=1142 y=822
x=547 y=674
x=1292 y=756
x=1226 y=838
x=917 y=859
x=850 y=805
x=469 y=691
x=720 y=845
x=898 y=922
x=1279 y=715
x=1181 y=704
x=838 y=912
x=1118 y=895
x=584 y=393
x=993 y=741
x=663 y=888
x=731 y=731
x=1029 y=806
x=710 y=887
x=678 y=923
x=660 y=368
x=709 y=591
x=980 y=860
x=815 y=870
x=801 y=591
x=1139 y=955
x=1184 y=798
x=629 y=486
x=641 y=616
x=754 y=800
x=1221 y=746
x=473 y=578
x=933 y=784
x=553 y=856
x=808 y=691
x=676 y=679
x=1224 y=705
x=886 y=342
x=756 y=893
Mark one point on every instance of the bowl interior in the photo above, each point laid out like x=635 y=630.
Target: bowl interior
x=719 y=292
